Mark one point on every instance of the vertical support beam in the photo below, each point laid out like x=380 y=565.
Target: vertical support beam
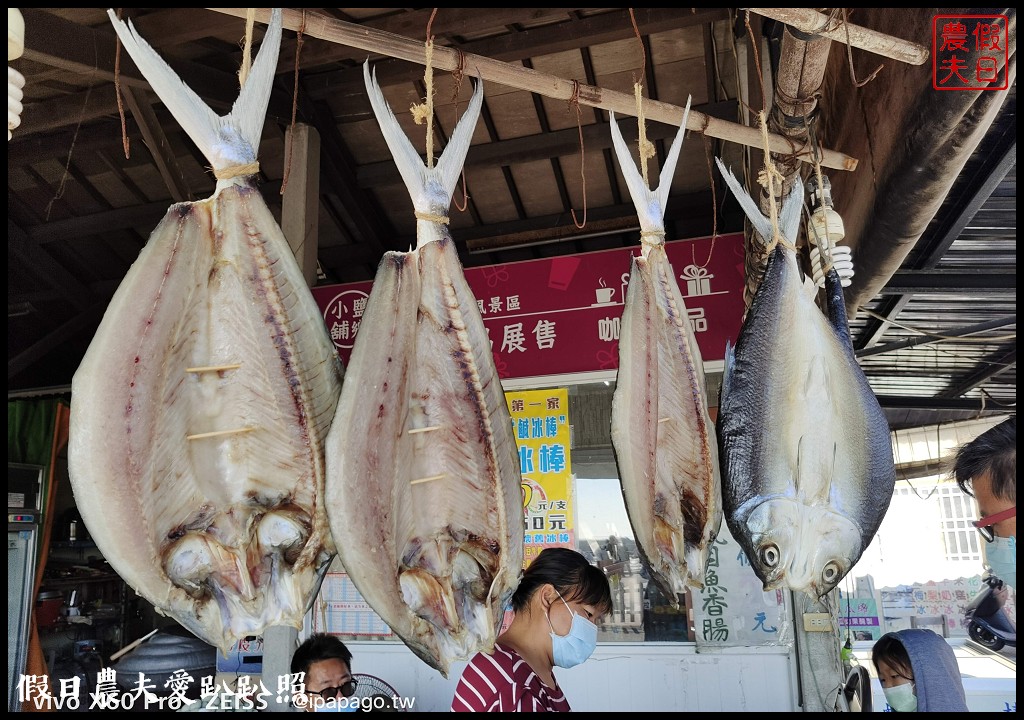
x=300 y=209
x=799 y=77
x=819 y=663
x=279 y=643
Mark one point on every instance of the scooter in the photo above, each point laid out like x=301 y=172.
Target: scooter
x=987 y=622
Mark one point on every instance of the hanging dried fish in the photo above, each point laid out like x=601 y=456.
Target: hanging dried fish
x=423 y=481
x=663 y=437
x=199 y=411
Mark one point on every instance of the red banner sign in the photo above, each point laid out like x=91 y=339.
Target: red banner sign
x=561 y=315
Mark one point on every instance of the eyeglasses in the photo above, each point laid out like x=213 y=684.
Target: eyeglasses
x=985 y=524
x=347 y=689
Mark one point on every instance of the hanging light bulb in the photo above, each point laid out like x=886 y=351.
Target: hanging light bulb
x=15 y=80
x=825 y=228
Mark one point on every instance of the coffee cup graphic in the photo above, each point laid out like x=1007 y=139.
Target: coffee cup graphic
x=604 y=295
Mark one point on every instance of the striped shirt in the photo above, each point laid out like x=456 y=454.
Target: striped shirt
x=504 y=682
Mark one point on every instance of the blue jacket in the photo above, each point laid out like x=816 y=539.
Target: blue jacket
x=936 y=672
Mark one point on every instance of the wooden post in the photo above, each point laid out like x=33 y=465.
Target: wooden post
x=300 y=207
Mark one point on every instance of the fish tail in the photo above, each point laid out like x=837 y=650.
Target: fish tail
x=789 y=217
x=415 y=173
x=196 y=118
x=650 y=204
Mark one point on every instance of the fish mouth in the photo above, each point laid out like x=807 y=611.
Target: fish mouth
x=804 y=547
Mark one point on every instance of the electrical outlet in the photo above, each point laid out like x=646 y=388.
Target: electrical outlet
x=817 y=622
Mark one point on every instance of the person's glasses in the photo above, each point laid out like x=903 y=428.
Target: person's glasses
x=347 y=689
x=985 y=524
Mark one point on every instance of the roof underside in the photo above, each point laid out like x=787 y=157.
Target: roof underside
x=936 y=338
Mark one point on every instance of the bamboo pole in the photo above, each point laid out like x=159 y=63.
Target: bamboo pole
x=327 y=28
x=811 y=22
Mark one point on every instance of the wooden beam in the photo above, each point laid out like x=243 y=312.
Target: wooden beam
x=927 y=339
x=606 y=220
x=140 y=218
x=542 y=146
x=811 y=22
x=45 y=266
x=996 y=367
x=326 y=28
x=544 y=40
x=448 y=24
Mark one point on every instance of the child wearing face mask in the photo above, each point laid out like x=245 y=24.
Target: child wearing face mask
x=919 y=672
x=558 y=603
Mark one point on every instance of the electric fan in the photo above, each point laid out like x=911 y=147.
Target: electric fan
x=385 y=698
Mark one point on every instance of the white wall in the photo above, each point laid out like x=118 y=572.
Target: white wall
x=619 y=677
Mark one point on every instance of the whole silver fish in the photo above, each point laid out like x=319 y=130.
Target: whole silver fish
x=423 y=478
x=664 y=440
x=199 y=411
x=807 y=465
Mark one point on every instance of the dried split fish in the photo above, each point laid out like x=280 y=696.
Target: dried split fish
x=199 y=411
x=423 y=481
x=664 y=440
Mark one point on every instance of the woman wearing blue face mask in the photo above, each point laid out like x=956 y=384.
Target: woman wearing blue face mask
x=557 y=606
x=918 y=672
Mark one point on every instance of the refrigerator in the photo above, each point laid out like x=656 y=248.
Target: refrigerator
x=24 y=489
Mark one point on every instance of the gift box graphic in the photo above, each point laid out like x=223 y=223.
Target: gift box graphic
x=698 y=281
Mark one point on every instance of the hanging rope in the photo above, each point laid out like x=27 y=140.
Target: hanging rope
x=644 y=146
x=757 y=62
x=458 y=74
x=295 y=104
x=767 y=178
x=250 y=23
x=714 y=200
x=849 y=56
x=574 y=102
x=125 y=142
x=425 y=110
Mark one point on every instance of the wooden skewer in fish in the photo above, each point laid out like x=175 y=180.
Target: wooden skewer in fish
x=662 y=434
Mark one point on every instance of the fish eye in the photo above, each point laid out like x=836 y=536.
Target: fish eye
x=770 y=555
x=830 y=573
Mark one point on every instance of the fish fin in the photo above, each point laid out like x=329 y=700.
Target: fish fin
x=650 y=204
x=730 y=363
x=805 y=463
x=789 y=217
x=835 y=305
x=761 y=224
x=202 y=124
x=416 y=175
x=669 y=168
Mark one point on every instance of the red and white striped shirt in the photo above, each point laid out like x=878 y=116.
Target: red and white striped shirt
x=504 y=682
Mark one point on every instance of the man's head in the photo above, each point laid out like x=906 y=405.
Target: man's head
x=327 y=665
x=986 y=468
